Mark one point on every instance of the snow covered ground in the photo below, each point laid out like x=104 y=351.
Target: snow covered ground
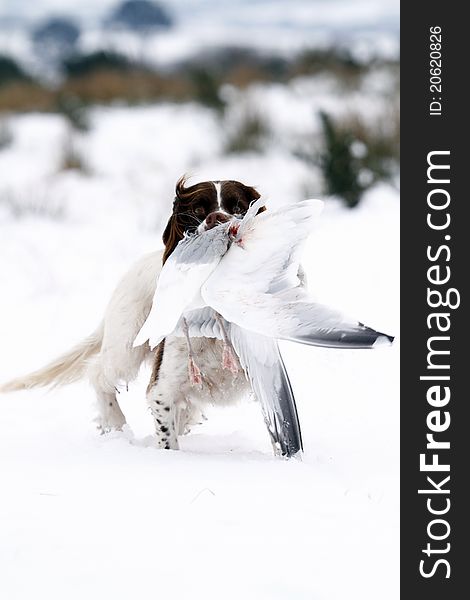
x=84 y=516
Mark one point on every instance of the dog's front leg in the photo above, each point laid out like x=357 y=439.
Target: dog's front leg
x=161 y=399
x=164 y=417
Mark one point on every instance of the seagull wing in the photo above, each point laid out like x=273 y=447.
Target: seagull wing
x=261 y=360
x=180 y=280
x=256 y=284
x=266 y=254
x=201 y=322
x=292 y=317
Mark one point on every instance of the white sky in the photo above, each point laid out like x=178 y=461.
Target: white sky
x=343 y=10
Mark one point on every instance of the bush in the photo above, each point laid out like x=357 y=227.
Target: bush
x=339 y=61
x=356 y=156
x=340 y=167
x=235 y=65
x=382 y=140
x=6 y=136
x=249 y=136
x=78 y=66
x=206 y=88
x=72 y=159
x=10 y=71
x=74 y=111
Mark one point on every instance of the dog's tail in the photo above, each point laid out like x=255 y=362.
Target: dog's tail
x=65 y=369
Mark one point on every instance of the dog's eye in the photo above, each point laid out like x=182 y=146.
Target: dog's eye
x=199 y=211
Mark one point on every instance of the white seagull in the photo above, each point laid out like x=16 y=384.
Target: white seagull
x=239 y=282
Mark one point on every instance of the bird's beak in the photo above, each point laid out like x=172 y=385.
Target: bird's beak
x=233 y=230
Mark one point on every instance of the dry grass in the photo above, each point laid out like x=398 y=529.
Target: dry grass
x=100 y=87
x=26 y=96
x=132 y=86
x=199 y=80
x=36 y=205
x=244 y=75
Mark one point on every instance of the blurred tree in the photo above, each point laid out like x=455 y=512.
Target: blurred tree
x=56 y=37
x=139 y=15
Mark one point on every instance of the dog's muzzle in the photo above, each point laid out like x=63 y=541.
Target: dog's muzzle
x=215 y=218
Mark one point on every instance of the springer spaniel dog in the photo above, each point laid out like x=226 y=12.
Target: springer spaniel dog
x=108 y=357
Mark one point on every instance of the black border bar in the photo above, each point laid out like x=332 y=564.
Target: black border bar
x=423 y=132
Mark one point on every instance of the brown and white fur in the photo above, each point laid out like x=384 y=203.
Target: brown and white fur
x=107 y=357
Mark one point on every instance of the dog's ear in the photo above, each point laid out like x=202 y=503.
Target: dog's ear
x=167 y=233
x=172 y=235
x=174 y=231
x=180 y=188
x=252 y=194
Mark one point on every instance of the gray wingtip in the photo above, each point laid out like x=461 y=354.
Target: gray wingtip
x=383 y=340
x=287 y=448
x=296 y=455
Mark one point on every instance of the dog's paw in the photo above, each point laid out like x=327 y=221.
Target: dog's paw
x=167 y=443
x=108 y=425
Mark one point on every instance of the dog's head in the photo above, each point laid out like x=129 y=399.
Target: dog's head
x=204 y=205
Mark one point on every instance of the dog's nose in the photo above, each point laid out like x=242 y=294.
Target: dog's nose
x=216 y=217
